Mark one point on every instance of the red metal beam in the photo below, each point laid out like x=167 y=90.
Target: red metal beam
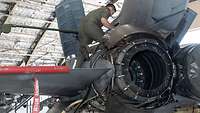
x=33 y=69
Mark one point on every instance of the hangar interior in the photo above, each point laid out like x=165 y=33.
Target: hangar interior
x=30 y=43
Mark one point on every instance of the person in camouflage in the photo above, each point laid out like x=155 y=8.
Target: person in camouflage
x=91 y=29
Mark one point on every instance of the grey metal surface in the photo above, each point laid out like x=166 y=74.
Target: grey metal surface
x=159 y=15
x=183 y=26
x=123 y=31
x=189 y=84
x=63 y=84
x=136 y=12
x=180 y=102
x=68 y=14
x=118 y=105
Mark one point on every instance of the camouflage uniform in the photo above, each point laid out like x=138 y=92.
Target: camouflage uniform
x=90 y=29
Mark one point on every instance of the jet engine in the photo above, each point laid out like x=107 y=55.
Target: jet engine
x=143 y=69
x=145 y=73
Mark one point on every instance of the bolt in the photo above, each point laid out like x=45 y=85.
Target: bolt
x=121 y=76
x=126 y=87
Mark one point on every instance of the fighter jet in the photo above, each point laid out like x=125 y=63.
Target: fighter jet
x=142 y=68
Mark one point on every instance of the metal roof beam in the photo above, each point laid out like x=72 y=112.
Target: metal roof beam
x=33 y=46
x=24 y=50
x=4 y=12
x=24 y=17
x=31 y=55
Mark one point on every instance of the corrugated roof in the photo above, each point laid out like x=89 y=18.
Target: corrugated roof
x=17 y=46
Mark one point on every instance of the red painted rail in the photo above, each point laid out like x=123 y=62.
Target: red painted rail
x=33 y=69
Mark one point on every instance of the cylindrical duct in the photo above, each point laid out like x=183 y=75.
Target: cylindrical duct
x=144 y=71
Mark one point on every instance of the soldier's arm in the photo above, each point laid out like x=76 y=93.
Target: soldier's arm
x=105 y=23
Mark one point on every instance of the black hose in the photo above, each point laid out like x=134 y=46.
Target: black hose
x=84 y=99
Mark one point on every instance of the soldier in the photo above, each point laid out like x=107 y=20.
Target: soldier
x=90 y=29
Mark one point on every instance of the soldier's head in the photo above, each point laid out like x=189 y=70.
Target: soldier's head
x=111 y=8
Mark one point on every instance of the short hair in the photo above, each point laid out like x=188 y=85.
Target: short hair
x=111 y=5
